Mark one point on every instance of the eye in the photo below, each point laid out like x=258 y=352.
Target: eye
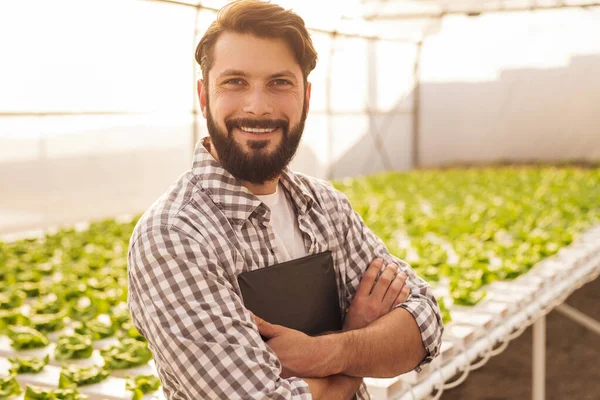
x=282 y=82
x=234 y=81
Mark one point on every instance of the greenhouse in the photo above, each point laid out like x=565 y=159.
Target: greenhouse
x=464 y=134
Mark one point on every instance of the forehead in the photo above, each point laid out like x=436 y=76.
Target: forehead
x=255 y=56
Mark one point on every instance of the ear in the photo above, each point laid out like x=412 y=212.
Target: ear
x=202 y=96
x=308 y=89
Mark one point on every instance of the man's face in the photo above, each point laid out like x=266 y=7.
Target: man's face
x=255 y=104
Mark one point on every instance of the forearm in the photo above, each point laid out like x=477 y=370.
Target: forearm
x=387 y=347
x=334 y=387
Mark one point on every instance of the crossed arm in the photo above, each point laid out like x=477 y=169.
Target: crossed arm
x=376 y=341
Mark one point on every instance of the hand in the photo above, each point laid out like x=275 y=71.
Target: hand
x=300 y=355
x=374 y=299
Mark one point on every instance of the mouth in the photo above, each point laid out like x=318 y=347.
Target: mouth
x=256 y=129
x=258 y=133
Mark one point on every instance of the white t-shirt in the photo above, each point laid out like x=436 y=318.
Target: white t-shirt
x=288 y=238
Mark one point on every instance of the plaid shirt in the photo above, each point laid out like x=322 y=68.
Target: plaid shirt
x=184 y=258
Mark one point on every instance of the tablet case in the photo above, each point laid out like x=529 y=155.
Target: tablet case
x=301 y=294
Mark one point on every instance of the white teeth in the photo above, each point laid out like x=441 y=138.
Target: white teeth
x=257 y=130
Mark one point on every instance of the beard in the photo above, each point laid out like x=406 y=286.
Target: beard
x=255 y=165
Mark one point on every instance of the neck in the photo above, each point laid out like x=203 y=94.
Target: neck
x=267 y=187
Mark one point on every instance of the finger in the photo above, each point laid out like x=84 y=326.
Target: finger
x=382 y=284
x=265 y=328
x=403 y=296
x=368 y=279
x=394 y=290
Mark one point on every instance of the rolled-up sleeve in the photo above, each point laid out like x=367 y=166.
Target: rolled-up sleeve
x=363 y=246
x=205 y=343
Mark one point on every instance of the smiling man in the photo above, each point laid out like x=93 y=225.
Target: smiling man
x=240 y=208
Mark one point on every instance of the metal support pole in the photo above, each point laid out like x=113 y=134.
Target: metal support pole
x=328 y=109
x=579 y=317
x=416 y=122
x=539 y=359
x=195 y=100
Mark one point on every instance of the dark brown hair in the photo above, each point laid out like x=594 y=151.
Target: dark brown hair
x=261 y=19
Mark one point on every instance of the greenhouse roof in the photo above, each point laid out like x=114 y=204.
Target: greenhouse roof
x=378 y=18
x=402 y=9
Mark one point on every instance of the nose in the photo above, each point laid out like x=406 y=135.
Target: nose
x=258 y=103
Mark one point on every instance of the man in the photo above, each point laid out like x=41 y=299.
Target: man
x=239 y=209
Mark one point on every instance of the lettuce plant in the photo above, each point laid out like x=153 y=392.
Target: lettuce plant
x=24 y=338
x=73 y=346
x=28 y=365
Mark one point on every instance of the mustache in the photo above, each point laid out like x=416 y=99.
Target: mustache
x=256 y=123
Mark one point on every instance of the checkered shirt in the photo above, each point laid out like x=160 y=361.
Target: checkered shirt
x=184 y=258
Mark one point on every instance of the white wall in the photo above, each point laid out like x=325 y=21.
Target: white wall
x=512 y=87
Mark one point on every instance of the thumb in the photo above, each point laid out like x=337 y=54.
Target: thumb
x=265 y=328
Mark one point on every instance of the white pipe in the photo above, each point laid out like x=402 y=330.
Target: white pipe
x=539 y=359
x=579 y=317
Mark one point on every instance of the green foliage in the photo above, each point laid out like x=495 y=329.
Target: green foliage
x=49 y=304
x=128 y=330
x=128 y=353
x=73 y=346
x=36 y=393
x=11 y=299
x=444 y=310
x=95 y=329
x=28 y=365
x=9 y=386
x=496 y=223
x=72 y=376
x=141 y=385
x=46 y=323
x=24 y=338
x=12 y=317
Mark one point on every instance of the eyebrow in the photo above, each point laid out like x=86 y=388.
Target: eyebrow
x=283 y=74
x=236 y=72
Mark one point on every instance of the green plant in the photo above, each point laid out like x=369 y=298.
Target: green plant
x=73 y=346
x=28 y=365
x=128 y=353
x=72 y=376
x=94 y=328
x=24 y=338
x=46 y=323
x=142 y=384
x=9 y=386
x=36 y=393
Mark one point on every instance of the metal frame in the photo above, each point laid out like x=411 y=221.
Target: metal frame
x=579 y=317
x=473 y=10
x=585 y=267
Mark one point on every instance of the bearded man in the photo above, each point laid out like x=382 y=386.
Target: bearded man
x=240 y=208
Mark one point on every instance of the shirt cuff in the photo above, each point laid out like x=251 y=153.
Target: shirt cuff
x=300 y=389
x=430 y=325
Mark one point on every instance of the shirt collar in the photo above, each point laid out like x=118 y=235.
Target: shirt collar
x=236 y=201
